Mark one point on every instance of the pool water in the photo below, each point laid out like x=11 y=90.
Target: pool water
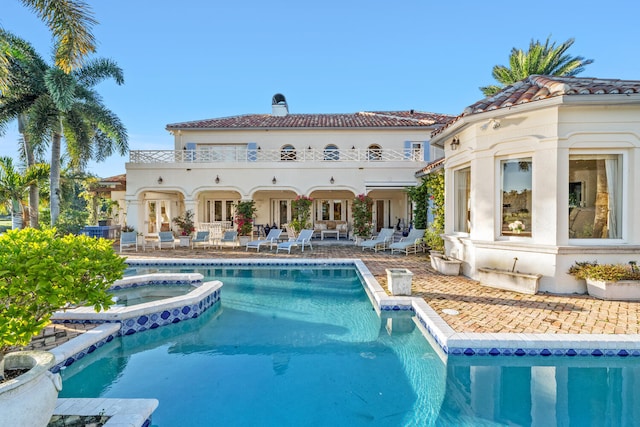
x=303 y=347
x=147 y=293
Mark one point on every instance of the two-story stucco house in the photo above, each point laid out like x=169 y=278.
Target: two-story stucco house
x=273 y=158
x=544 y=174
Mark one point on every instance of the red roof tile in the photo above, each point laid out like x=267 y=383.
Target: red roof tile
x=356 y=120
x=537 y=87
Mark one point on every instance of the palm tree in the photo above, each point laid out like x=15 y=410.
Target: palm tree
x=56 y=105
x=544 y=59
x=70 y=22
x=14 y=186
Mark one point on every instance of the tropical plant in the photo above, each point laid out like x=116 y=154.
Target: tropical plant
x=42 y=273
x=57 y=105
x=545 y=59
x=14 y=185
x=362 y=215
x=245 y=210
x=419 y=195
x=185 y=223
x=301 y=208
x=70 y=21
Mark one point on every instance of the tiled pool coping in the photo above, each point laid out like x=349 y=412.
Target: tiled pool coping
x=450 y=341
x=435 y=329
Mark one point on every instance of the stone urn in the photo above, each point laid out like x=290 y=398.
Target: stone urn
x=30 y=399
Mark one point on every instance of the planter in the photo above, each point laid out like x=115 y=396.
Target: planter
x=432 y=257
x=509 y=280
x=399 y=281
x=623 y=290
x=243 y=240
x=185 y=241
x=446 y=266
x=30 y=399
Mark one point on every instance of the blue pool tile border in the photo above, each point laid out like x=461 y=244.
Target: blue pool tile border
x=433 y=326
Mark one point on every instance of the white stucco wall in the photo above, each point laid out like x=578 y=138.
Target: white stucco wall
x=547 y=131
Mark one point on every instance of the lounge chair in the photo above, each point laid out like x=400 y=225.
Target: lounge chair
x=303 y=239
x=271 y=240
x=380 y=241
x=166 y=238
x=228 y=238
x=409 y=243
x=201 y=239
x=129 y=239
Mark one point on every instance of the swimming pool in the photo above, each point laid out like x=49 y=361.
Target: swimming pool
x=303 y=346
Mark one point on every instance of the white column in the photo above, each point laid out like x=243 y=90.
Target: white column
x=134 y=217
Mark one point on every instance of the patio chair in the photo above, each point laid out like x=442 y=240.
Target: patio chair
x=201 y=239
x=229 y=238
x=380 y=241
x=303 y=239
x=271 y=240
x=166 y=238
x=409 y=243
x=128 y=239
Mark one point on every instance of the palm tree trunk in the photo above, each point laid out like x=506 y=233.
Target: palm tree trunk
x=54 y=178
x=34 y=194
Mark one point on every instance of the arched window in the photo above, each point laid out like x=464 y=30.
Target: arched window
x=374 y=152
x=287 y=153
x=331 y=152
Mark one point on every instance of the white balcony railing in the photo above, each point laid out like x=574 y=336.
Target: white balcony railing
x=245 y=155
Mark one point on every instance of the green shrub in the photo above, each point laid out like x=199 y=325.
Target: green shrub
x=41 y=273
x=604 y=272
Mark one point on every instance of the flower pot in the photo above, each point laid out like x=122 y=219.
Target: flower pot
x=243 y=240
x=30 y=399
x=432 y=257
x=509 y=280
x=447 y=266
x=623 y=290
x=399 y=281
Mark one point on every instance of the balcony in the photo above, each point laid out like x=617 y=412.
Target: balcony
x=248 y=155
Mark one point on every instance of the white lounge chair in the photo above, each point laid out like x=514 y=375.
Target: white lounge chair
x=380 y=241
x=129 y=239
x=201 y=239
x=229 y=238
x=166 y=238
x=409 y=243
x=271 y=240
x=303 y=239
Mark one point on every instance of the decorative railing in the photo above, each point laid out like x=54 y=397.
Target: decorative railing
x=247 y=155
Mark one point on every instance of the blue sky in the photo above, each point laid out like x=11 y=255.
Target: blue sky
x=189 y=60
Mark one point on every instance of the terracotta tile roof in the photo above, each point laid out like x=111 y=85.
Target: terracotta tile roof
x=373 y=119
x=433 y=166
x=537 y=87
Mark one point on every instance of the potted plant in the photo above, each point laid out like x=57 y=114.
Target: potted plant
x=43 y=273
x=185 y=223
x=244 y=213
x=609 y=281
x=301 y=208
x=362 y=213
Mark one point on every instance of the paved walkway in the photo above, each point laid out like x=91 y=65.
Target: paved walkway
x=481 y=309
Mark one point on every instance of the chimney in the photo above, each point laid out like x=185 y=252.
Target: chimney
x=279 y=105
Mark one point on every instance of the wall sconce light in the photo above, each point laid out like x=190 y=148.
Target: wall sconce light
x=274 y=180
x=353 y=147
x=309 y=148
x=217 y=179
x=455 y=143
x=259 y=148
x=332 y=180
x=160 y=180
